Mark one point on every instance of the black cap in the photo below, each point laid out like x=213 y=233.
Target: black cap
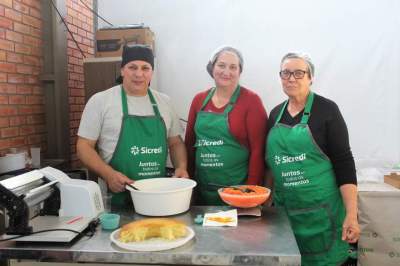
x=136 y=52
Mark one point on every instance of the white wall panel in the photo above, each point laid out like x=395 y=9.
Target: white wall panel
x=355 y=46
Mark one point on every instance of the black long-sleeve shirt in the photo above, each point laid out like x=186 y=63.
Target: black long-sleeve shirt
x=330 y=133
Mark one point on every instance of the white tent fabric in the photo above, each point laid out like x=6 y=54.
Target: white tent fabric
x=355 y=46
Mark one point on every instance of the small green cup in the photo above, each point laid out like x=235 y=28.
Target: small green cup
x=109 y=221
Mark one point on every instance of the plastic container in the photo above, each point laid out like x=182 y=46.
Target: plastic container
x=162 y=196
x=12 y=162
x=109 y=221
x=107 y=202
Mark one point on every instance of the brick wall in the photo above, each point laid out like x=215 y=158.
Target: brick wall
x=80 y=22
x=22 y=118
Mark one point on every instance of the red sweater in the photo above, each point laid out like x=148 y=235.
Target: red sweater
x=247 y=122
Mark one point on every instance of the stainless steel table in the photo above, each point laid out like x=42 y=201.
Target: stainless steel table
x=266 y=240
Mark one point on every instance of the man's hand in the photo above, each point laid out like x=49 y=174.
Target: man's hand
x=91 y=159
x=179 y=172
x=177 y=151
x=116 y=182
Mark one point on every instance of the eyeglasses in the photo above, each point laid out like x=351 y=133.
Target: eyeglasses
x=297 y=74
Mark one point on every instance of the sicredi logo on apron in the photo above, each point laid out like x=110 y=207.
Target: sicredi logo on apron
x=289 y=159
x=135 y=150
x=204 y=142
x=147 y=165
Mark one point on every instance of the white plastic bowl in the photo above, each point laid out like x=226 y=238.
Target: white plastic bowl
x=162 y=196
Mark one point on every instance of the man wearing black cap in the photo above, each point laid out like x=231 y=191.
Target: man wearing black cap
x=132 y=127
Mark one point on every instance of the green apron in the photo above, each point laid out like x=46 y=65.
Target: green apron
x=141 y=151
x=305 y=186
x=220 y=158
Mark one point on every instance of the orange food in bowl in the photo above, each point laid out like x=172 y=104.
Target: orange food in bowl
x=244 y=196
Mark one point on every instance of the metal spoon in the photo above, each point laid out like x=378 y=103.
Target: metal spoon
x=131 y=186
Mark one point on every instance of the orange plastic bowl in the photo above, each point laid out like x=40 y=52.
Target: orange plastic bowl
x=244 y=196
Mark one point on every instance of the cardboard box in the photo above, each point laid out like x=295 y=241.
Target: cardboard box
x=379 y=219
x=109 y=42
x=393 y=179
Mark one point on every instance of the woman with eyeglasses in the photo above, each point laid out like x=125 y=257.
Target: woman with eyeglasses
x=312 y=167
x=225 y=134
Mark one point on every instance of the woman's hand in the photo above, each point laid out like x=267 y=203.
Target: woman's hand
x=351 y=229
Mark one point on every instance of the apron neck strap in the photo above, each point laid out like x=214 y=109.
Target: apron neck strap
x=232 y=100
x=153 y=103
x=306 y=113
x=307 y=108
x=125 y=102
x=281 y=112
